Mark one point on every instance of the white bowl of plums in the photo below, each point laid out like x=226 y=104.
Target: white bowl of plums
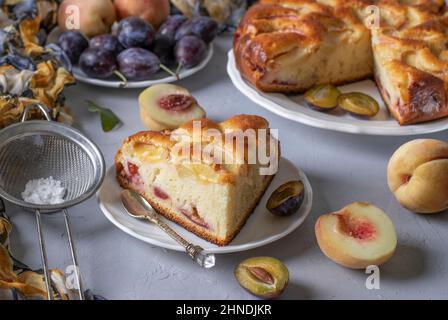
x=135 y=55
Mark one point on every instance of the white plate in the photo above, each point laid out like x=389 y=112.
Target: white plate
x=159 y=77
x=293 y=107
x=260 y=229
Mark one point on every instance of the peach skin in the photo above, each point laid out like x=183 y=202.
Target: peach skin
x=417 y=175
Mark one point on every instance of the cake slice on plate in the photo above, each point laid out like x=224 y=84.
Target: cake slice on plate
x=203 y=175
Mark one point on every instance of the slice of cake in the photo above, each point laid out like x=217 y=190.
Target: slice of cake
x=208 y=177
x=411 y=70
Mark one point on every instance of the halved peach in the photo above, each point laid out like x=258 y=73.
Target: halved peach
x=167 y=106
x=357 y=236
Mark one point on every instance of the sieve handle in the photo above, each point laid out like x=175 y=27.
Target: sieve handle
x=45 y=111
x=43 y=256
x=74 y=257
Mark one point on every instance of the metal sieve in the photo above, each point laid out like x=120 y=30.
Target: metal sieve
x=39 y=149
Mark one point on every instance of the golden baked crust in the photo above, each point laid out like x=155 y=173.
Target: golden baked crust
x=273 y=29
x=237 y=126
x=409 y=45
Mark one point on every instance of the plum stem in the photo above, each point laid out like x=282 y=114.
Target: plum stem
x=124 y=83
x=179 y=66
x=169 y=71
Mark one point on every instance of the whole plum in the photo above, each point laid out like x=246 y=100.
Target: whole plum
x=163 y=47
x=134 y=32
x=185 y=29
x=169 y=28
x=98 y=63
x=106 y=42
x=205 y=28
x=73 y=43
x=190 y=51
x=138 y=63
x=202 y=27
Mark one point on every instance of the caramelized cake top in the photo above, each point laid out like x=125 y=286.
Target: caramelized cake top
x=221 y=150
x=279 y=26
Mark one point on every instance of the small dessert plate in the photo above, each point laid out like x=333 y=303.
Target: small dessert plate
x=159 y=77
x=260 y=229
x=293 y=107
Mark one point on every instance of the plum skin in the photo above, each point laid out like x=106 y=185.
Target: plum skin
x=202 y=27
x=73 y=44
x=171 y=25
x=135 y=32
x=137 y=63
x=97 y=63
x=163 y=47
x=190 y=51
x=280 y=205
x=288 y=207
x=106 y=42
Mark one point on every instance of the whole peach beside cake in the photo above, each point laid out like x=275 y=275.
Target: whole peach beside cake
x=357 y=236
x=418 y=175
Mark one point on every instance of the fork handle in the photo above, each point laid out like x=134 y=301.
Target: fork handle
x=195 y=252
x=173 y=234
x=192 y=250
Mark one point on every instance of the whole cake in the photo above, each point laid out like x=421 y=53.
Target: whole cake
x=211 y=192
x=291 y=45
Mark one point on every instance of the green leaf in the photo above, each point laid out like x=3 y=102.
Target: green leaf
x=108 y=119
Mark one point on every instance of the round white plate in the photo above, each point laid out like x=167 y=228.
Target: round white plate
x=159 y=77
x=260 y=229
x=293 y=107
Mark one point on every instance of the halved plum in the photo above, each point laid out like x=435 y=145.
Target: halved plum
x=264 y=277
x=322 y=97
x=286 y=199
x=359 y=104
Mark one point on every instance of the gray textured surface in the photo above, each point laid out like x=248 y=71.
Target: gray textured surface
x=342 y=168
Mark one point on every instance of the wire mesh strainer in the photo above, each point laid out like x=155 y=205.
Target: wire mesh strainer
x=40 y=149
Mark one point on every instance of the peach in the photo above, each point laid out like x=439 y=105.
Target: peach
x=357 y=236
x=153 y=11
x=95 y=17
x=167 y=106
x=417 y=175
